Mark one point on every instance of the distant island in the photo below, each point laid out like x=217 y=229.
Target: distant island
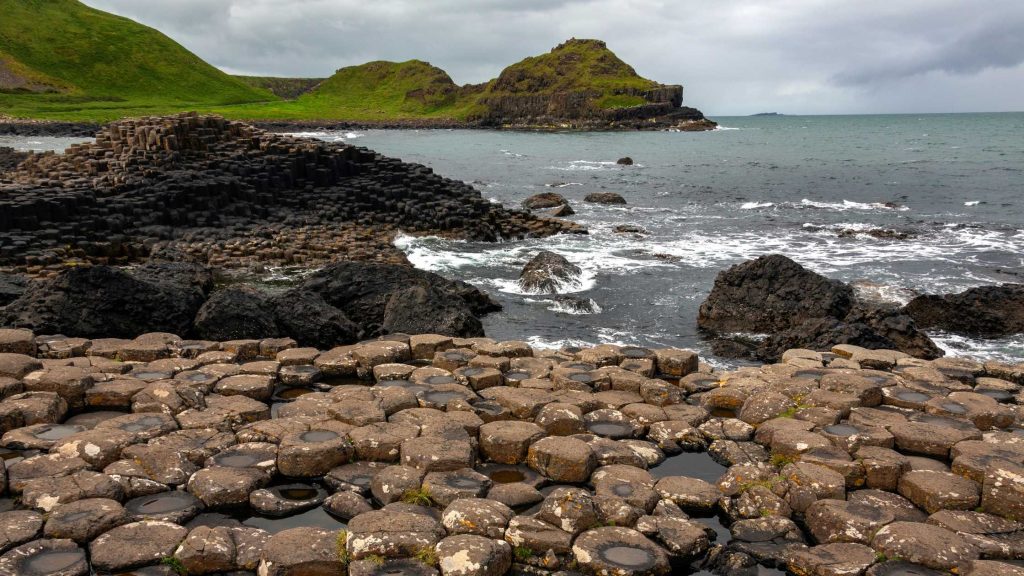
x=768 y=114
x=64 y=61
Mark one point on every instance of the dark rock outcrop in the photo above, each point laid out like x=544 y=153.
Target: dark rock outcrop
x=227 y=193
x=365 y=292
x=546 y=272
x=625 y=161
x=428 y=310
x=769 y=294
x=604 y=198
x=798 y=308
x=11 y=287
x=545 y=200
x=102 y=301
x=236 y=313
x=984 y=311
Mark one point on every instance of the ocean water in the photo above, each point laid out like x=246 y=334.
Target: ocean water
x=759 y=185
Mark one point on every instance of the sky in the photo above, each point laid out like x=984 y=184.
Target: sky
x=734 y=57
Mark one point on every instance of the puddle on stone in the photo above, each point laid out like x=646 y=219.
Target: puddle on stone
x=142 y=424
x=809 y=374
x=842 y=430
x=55 y=432
x=473 y=371
x=953 y=407
x=439 y=379
x=457 y=356
x=912 y=396
x=288 y=393
x=581 y=366
x=463 y=482
x=90 y=419
x=628 y=557
x=723 y=412
x=297 y=493
x=517 y=376
x=441 y=397
x=236 y=460
x=693 y=464
x=997 y=395
x=152 y=376
x=582 y=377
x=314 y=518
x=507 y=476
x=163 y=505
x=614 y=430
x=52 y=561
x=715 y=523
x=633 y=352
x=318 y=436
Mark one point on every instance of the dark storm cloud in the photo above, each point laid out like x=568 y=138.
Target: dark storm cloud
x=734 y=56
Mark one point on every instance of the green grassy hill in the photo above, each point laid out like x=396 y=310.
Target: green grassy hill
x=376 y=91
x=383 y=91
x=61 y=60
x=101 y=66
x=574 y=66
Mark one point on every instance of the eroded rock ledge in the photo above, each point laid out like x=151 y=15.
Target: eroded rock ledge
x=426 y=453
x=200 y=188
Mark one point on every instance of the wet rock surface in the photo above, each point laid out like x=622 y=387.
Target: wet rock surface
x=409 y=454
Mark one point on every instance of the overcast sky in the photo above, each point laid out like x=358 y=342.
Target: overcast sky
x=733 y=56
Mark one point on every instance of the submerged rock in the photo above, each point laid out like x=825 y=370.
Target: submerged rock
x=547 y=272
x=604 y=198
x=545 y=200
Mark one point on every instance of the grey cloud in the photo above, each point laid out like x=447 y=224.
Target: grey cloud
x=997 y=43
x=733 y=56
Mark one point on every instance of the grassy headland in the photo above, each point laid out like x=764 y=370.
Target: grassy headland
x=62 y=60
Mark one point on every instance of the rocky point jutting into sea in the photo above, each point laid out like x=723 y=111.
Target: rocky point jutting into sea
x=158 y=416
x=201 y=188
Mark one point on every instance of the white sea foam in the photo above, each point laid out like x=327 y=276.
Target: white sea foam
x=1000 y=349
x=546 y=344
x=850 y=205
x=721 y=128
x=756 y=205
x=584 y=165
x=563 y=307
x=972 y=203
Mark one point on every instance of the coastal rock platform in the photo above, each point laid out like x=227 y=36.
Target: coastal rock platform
x=204 y=189
x=428 y=454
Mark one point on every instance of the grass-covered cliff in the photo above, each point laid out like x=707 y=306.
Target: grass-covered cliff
x=63 y=59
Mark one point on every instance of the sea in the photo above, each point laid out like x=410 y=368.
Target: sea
x=948 y=189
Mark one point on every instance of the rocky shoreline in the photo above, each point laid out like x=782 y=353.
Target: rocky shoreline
x=200 y=188
x=465 y=456
x=684 y=123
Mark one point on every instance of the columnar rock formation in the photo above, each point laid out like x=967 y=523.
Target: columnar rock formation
x=414 y=454
x=203 y=188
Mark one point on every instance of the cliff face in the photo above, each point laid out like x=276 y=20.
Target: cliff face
x=581 y=83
